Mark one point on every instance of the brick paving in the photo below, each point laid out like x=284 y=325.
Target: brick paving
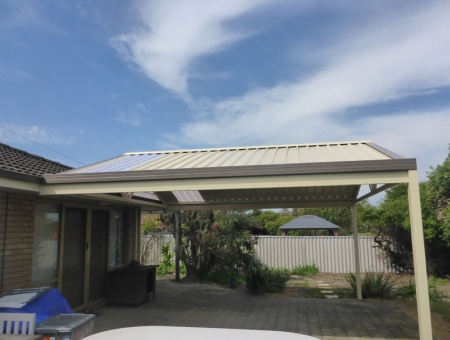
x=207 y=305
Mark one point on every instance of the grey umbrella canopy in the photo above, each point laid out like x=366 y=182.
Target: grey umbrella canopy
x=308 y=222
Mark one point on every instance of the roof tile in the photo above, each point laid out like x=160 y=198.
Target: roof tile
x=22 y=162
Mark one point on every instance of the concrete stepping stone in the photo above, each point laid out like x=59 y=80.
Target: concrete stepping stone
x=331 y=296
x=326 y=291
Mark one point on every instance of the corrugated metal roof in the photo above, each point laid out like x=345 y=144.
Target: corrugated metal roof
x=254 y=177
x=242 y=156
x=309 y=222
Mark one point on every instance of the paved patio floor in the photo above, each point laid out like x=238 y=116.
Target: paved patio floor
x=206 y=305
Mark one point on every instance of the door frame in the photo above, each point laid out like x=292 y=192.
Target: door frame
x=87 y=247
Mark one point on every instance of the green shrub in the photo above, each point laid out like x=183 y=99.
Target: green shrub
x=276 y=279
x=437 y=281
x=372 y=285
x=166 y=262
x=305 y=269
x=255 y=278
x=260 y=279
x=222 y=276
x=182 y=268
x=409 y=291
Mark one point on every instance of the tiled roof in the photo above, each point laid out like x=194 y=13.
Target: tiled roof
x=22 y=162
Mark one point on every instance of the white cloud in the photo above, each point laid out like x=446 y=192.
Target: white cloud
x=408 y=57
x=21 y=14
x=13 y=73
x=26 y=13
x=132 y=118
x=21 y=134
x=421 y=135
x=172 y=34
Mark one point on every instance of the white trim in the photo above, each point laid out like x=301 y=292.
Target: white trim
x=19 y=185
x=246 y=147
x=319 y=180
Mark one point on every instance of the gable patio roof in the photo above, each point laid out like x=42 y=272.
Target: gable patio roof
x=274 y=176
x=303 y=175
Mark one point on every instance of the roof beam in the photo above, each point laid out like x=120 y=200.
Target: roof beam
x=259 y=182
x=123 y=200
x=375 y=191
x=250 y=205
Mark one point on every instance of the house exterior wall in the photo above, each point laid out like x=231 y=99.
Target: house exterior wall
x=16 y=239
x=17 y=218
x=131 y=234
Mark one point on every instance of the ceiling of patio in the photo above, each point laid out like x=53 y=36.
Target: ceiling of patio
x=275 y=176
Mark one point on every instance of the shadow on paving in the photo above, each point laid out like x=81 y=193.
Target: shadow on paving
x=207 y=305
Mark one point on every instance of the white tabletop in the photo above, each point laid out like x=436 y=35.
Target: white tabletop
x=194 y=333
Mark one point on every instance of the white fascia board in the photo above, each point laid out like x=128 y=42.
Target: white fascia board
x=258 y=182
x=19 y=185
x=122 y=200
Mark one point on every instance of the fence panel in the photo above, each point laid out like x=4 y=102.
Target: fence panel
x=153 y=253
x=331 y=254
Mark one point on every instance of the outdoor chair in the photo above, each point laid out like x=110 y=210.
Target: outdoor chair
x=17 y=323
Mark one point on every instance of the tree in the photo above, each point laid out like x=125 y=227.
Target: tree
x=272 y=220
x=392 y=220
x=439 y=195
x=214 y=240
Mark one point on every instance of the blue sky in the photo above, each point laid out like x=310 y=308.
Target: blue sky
x=95 y=79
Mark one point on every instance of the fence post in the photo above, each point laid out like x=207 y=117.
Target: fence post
x=356 y=253
x=177 y=245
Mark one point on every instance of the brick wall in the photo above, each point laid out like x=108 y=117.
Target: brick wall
x=131 y=217
x=16 y=243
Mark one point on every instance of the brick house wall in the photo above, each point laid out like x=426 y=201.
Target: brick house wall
x=17 y=210
x=131 y=218
x=16 y=242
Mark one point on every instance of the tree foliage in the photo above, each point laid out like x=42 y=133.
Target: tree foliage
x=391 y=217
x=215 y=240
x=439 y=196
x=272 y=220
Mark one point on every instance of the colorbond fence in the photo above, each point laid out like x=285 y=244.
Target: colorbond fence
x=331 y=254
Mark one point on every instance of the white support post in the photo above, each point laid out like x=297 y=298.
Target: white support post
x=356 y=253
x=177 y=245
x=420 y=265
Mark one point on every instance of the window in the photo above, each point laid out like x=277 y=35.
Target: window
x=46 y=238
x=115 y=245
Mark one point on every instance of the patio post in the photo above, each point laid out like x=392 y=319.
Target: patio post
x=356 y=252
x=177 y=245
x=420 y=265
